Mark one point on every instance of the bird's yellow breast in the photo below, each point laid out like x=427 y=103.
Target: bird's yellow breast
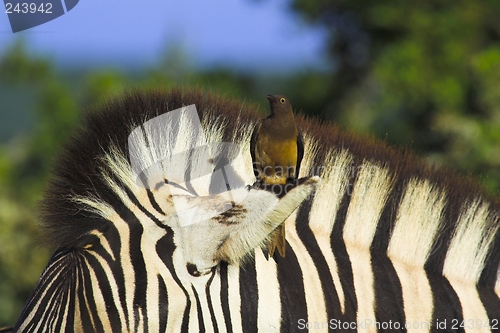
x=277 y=158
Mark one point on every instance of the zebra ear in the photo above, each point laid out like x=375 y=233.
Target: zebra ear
x=263 y=212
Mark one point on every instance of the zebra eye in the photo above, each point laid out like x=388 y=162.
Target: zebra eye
x=282 y=100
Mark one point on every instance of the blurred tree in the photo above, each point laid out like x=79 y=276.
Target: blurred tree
x=20 y=263
x=25 y=162
x=17 y=68
x=103 y=84
x=424 y=74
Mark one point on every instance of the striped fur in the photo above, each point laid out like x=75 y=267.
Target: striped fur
x=381 y=241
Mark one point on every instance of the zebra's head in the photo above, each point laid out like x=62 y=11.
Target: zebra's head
x=227 y=230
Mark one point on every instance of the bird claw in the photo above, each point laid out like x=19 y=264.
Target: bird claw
x=255 y=186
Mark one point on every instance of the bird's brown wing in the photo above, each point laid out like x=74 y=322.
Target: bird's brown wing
x=278 y=236
x=281 y=245
x=253 y=143
x=300 y=151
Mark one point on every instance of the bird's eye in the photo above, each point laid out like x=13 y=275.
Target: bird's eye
x=282 y=100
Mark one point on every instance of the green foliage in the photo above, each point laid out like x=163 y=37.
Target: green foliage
x=16 y=67
x=24 y=163
x=424 y=74
x=101 y=85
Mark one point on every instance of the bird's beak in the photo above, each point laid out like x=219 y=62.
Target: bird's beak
x=270 y=98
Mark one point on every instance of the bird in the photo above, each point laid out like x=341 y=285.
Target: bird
x=277 y=149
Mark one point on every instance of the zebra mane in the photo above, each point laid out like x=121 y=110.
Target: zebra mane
x=423 y=215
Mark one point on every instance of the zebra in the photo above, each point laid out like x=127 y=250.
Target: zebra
x=377 y=239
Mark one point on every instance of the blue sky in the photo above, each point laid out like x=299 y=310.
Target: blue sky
x=254 y=35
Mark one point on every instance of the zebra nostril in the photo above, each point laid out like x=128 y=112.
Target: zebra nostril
x=192 y=269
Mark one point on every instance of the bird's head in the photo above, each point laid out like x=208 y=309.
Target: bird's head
x=279 y=104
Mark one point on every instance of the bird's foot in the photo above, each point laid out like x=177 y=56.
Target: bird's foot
x=257 y=185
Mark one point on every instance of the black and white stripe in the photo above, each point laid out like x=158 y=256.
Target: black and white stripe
x=382 y=240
